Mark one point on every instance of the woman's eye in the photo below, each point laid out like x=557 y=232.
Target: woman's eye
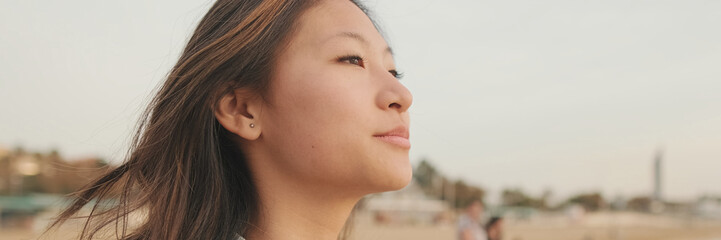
x=352 y=59
x=396 y=74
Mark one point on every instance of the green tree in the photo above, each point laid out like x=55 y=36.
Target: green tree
x=590 y=201
x=429 y=179
x=457 y=193
x=641 y=204
x=517 y=198
x=465 y=194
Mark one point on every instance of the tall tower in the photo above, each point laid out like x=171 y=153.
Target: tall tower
x=657 y=182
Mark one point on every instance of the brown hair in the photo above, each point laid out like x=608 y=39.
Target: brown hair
x=184 y=174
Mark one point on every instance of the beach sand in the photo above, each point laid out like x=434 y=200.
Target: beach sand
x=598 y=226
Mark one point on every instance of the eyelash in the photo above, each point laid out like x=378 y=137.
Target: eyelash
x=396 y=74
x=349 y=58
x=361 y=63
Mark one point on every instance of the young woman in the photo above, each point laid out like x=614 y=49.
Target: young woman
x=278 y=117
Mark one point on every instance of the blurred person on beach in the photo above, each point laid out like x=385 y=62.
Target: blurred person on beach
x=279 y=116
x=494 y=228
x=469 y=226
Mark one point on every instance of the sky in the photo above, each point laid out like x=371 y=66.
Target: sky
x=566 y=95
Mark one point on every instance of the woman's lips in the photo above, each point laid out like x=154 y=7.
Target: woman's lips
x=398 y=136
x=396 y=140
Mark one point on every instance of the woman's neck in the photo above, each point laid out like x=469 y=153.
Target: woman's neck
x=293 y=210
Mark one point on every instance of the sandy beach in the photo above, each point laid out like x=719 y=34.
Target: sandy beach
x=595 y=226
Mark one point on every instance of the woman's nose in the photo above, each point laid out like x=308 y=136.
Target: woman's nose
x=393 y=94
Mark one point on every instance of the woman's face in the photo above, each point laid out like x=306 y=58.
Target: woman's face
x=336 y=114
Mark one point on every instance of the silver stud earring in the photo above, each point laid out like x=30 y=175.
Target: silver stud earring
x=252 y=125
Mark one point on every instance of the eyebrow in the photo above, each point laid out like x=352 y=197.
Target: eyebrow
x=359 y=38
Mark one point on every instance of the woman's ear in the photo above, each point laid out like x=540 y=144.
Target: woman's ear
x=238 y=112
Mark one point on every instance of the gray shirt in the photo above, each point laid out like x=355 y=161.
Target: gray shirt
x=467 y=223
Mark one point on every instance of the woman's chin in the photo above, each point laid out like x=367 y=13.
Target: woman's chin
x=402 y=182
x=397 y=179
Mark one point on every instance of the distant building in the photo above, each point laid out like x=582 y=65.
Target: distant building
x=708 y=207
x=407 y=206
x=34 y=182
x=23 y=173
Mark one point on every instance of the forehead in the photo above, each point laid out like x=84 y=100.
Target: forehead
x=333 y=20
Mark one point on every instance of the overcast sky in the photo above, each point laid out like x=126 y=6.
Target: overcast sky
x=568 y=95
